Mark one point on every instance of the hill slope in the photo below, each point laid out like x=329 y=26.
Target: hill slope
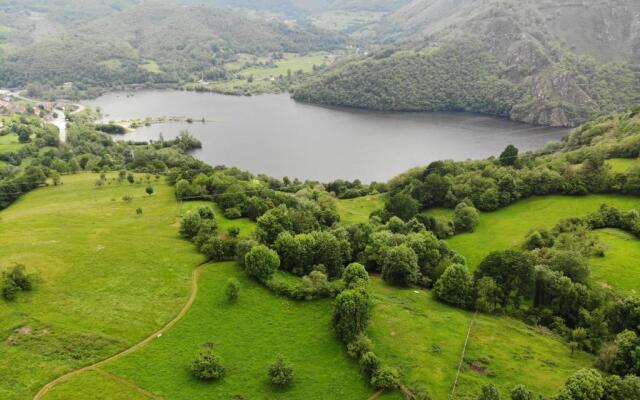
x=540 y=48
x=152 y=43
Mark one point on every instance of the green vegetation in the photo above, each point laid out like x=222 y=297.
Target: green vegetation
x=507 y=228
x=618 y=268
x=355 y=211
x=106 y=277
x=245 y=225
x=622 y=165
x=497 y=348
x=9 y=143
x=247 y=335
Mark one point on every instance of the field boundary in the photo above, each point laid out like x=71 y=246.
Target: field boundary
x=192 y=297
x=123 y=381
x=464 y=350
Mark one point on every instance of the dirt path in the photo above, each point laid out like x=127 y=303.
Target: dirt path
x=126 y=383
x=192 y=297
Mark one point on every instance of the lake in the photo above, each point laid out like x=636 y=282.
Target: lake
x=277 y=136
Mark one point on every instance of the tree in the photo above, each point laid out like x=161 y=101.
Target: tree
x=465 y=218
x=207 y=366
x=385 y=378
x=262 y=262
x=355 y=275
x=272 y=223
x=400 y=266
x=509 y=156
x=403 y=206
x=512 y=270
x=280 y=374
x=213 y=248
x=489 y=392
x=351 y=314
x=617 y=388
x=190 y=225
x=520 y=392
x=233 y=290
x=586 y=384
x=488 y=295
x=455 y=285
x=131 y=178
x=149 y=190
x=572 y=265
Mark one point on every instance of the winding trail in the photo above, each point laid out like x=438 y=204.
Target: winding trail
x=94 y=367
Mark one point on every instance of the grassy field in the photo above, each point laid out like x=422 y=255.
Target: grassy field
x=619 y=268
x=425 y=338
x=622 y=164
x=9 y=143
x=506 y=228
x=354 y=211
x=245 y=225
x=248 y=336
x=106 y=277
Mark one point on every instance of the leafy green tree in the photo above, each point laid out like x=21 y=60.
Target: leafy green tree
x=213 y=248
x=509 y=156
x=150 y=190
x=385 y=378
x=572 y=265
x=465 y=218
x=403 y=206
x=351 y=314
x=520 y=392
x=586 y=384
x=261 y=262
x=280 y=374
x=355 y=275
x=488 y=295
x=455 y=286
x=207 y=366
x=206 y=212
x=400 y=266
x=512 y=270
x=190 y=225
x=489 y=392
x=270 y=225
x=617 y=388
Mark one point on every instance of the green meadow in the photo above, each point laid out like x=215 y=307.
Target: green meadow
x=618 y=269
x=425 y=339
x=506 y=228
x=106 y=277
x=9 y=143
x=248 y=336
x=354 y=211
x=622 y=164
x=245 y=225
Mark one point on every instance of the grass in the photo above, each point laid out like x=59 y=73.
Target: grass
x=247 y=227
x=354 y=211
x=9 y=143
x=106 y=277
x=619 y=269
x=425 y=338
x=248 y=336
x=94 y=385
x=506 y=228
x=152 y=67
x=622 y=164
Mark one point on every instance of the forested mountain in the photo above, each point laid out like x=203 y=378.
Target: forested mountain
x=157 y=42
x=563 y=61
x=306 y=7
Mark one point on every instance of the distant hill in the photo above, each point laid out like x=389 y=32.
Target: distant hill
x=157 y=42
x=306 y=7
x=565 y=60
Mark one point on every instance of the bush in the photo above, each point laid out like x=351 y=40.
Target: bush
x=213 y=249
x=207 y=366
x=261 y=262
x=465 y=218
x=13 y=281
x=190 y=225
x=233 y=213
x=351 y=314
x=150 y=190
x=400 y=266
x=521 y=392
x=280 y=374
x=489 y=392
x=455 y=285
x=233 y=290
x=355 y=275
x=360 y=346
x=369 y=363
x=385 y=378
x=206 y=212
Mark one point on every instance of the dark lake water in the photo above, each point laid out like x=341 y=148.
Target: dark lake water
x=274 y=135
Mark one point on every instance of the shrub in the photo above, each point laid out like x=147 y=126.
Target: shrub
x=355 y=275
x=190 y=225
x=400 y=266
x=213 y=248
x=233 y=290
x=15 y=280
x=233 y=232
x=465 y=218
x=150 y=190
x=280 y=374
x=233 y=213
x=385 y=378
x=243 y=247
x=207 y=366
x=369 y=363
x=489 y=392
x=358 y=347
x=455 y=285
x=351 y=314
x=261 y=262
x=521 y=392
